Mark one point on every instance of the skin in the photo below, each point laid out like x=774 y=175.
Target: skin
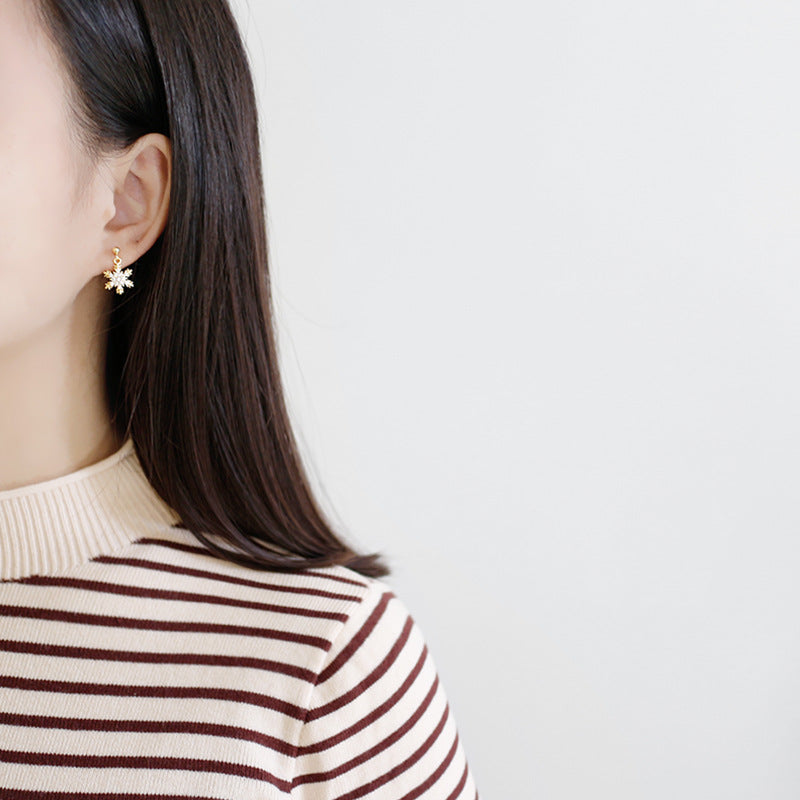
x=60 y=218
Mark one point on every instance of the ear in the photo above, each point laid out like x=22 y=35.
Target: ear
x=141 y=178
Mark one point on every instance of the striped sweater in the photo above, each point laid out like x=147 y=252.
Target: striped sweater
x=134 y=663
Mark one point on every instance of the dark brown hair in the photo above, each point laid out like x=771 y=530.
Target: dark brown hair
x=192 y=369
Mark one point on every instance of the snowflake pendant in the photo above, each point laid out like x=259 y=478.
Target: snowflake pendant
x=118 y=278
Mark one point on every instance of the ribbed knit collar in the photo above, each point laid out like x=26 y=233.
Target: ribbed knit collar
x=50 y=526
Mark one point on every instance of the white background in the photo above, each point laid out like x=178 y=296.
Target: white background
x=536 y=273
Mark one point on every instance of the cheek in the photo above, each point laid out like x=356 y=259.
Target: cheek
x=38 y=235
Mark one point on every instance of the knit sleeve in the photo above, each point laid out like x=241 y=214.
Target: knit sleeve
x=379 y=725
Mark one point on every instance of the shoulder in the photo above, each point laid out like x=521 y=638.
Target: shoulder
x=378 y=720
x=335 y=603
x=350 y=635
x=367 y=711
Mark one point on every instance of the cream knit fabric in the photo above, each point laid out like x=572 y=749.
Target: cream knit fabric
x=133 y=663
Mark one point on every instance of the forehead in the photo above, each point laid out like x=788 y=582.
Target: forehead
x=37 y=147
x=27 y=59
x=32 y=87
x=19 y=28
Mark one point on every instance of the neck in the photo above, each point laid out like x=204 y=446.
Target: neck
x=54 y=418
x=54 y=525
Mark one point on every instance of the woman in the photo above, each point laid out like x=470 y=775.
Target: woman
x=177 y=617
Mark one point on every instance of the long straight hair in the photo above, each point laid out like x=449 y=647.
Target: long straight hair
x=192 y=369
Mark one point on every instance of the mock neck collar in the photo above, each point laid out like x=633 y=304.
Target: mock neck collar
x=51 y=526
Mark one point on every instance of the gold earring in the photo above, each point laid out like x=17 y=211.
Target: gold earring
x=118 y=277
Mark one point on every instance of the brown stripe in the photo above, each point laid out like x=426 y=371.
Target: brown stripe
x=167 y=594
x=426 y=784
x=204 y=551
x=366 y=788
x=148 y=657
x=147 y=726
x=377 y=673
x=28 y=794
x=357 y=640
x=334 y=578
x=460 y=785
x=79 y=618
x=142 y=762
x=376 y=713
x=139 y=690
x=145 y=563
x=317 y=777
